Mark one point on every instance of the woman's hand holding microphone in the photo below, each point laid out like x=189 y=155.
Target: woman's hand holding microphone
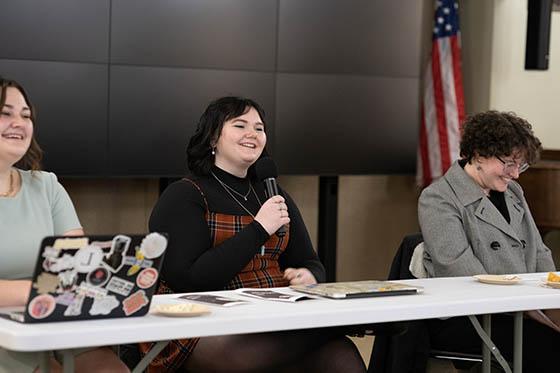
x=273 y=214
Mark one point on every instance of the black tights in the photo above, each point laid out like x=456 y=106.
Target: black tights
x=314 y=350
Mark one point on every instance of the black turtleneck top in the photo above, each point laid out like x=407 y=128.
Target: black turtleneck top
x=189 y=265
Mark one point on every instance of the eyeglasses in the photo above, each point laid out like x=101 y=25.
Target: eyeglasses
x=511 y=166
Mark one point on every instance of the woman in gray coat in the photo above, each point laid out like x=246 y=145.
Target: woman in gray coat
x=475 y=220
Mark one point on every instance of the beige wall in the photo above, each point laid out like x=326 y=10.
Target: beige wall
x=532 y=94
x=494 y=33
x=113 y=205
x=374 y=214
x=476 y=19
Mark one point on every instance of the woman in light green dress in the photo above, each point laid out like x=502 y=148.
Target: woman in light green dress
x=33 y=204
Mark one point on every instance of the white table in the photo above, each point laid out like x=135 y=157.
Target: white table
x=442 y=297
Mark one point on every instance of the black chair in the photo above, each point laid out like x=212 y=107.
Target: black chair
x=410 y=351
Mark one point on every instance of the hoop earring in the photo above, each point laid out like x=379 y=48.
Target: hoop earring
x=478 y=168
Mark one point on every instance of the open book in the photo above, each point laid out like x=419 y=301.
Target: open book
x=272 y=294
x=215 y=300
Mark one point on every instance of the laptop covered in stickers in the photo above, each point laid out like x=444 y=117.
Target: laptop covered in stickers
x=93 y=277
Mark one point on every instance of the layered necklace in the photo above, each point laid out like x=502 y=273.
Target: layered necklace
x=229 y=191
x=11 y=189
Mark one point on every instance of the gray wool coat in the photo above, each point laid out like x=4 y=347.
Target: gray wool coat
x=465 y=234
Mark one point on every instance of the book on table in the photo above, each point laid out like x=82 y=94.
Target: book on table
x=213 y=299
x=272 y=294
x=358 y=289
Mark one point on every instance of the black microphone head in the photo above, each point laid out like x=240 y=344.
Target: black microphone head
x=265 y=168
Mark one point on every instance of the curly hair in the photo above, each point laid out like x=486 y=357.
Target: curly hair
x=496 y=134
x=31 y=160
x=199 y=151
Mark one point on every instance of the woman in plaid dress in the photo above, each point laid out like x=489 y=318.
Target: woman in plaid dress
x=222 y=236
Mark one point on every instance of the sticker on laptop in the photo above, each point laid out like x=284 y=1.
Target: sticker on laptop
x=135 y=302
x=70 y=243
x=41 y=306
x=98 y=277
x=91 y=291
x=46 y=283
x=67 y=281
x=88 y=258
x=75 y=308
x=120 y=286
x=65 y=299
x=153 y=245
x=103 y=305
x=55 y=264
x=114 y=260
x=137 y=262
x=146 y=278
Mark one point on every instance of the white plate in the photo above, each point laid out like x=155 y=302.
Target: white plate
x=553 y=284
x=181 y=310
x=498 y=279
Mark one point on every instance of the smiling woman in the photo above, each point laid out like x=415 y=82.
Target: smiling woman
x=33 y=205
x=476 y=221
x=223 y=230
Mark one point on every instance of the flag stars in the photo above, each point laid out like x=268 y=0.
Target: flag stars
x=436 y=30
x=448 y=27
x=446 y=10
x=440 y=20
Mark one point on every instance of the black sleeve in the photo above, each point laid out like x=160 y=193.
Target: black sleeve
x=190 y=264
x=299 y=252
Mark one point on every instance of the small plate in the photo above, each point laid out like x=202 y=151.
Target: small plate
x=498 y=279
x=181 y=310
x=553 y=284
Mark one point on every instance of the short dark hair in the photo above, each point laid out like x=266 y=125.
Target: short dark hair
x=199 y=151
x=496 y=134
x=31 y=160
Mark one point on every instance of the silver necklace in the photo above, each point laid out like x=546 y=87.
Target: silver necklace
x=227 y=187
x=239 y=202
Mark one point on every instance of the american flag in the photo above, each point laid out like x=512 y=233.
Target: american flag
x=442 y=105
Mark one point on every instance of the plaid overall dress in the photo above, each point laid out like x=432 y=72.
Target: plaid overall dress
x=263 y=271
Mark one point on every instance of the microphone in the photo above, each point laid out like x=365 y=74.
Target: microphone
x=265 y=170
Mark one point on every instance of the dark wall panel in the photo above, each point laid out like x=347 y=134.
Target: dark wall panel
x=333 y=124
x=154 y=111
x=64 y=30
x=238 y=35
x=381 y=37
x=71 y=104
x=120 y=84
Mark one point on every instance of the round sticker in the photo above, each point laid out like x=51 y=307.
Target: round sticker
x=98 y=277
x=153 y=245
x=41 y=306
x=146 y=278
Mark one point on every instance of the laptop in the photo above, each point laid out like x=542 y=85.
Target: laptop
x=93 y=277
x=357 y=289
